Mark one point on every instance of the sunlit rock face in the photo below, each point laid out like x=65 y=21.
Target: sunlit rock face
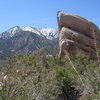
x=77 y=32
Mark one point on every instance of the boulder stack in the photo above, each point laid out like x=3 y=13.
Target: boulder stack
x=75 y=33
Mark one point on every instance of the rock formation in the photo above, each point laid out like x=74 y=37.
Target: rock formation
x=75 y=33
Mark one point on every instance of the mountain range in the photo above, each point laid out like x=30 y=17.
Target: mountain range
x=27 y=40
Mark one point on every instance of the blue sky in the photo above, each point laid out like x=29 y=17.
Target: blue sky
x=42 y=13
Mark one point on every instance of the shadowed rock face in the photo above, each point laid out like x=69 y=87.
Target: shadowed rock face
x=76 y=32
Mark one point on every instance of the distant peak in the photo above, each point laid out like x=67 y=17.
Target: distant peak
x=49 y=33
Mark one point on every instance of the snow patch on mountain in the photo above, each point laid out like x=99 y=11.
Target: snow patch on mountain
x=31 y=29
x=49 y=33
x=11 y=32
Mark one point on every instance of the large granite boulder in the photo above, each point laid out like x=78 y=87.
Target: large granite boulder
x=76 y=32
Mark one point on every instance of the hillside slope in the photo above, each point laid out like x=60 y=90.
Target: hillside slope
x=27 y=40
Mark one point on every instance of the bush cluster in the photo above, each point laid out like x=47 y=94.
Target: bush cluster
x=40 y=76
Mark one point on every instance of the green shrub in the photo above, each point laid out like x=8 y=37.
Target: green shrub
x=41 y=77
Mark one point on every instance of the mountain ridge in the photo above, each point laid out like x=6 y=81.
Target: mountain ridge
x=26 y=40
x=49 y=33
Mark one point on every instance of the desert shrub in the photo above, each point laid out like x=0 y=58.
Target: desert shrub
x=40 y=76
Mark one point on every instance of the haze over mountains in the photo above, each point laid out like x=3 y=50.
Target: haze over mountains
x=27 y=40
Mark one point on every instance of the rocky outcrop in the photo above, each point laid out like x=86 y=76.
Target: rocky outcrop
x=75 y=33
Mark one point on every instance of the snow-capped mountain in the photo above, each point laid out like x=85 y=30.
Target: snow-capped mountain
x=49 y=33
x=26 y=40
x=11 y=32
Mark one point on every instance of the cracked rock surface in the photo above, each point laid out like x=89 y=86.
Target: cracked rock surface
x=76 y=32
